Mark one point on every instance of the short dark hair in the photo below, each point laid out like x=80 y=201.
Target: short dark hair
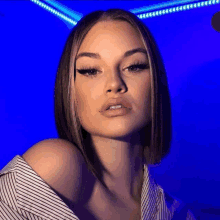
x=67 y=122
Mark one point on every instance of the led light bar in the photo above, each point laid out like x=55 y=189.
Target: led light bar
x=54 y=11
x=163 y=5
x=176 y=9
x=62 y=8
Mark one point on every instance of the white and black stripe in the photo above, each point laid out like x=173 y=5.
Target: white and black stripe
x=25 y=195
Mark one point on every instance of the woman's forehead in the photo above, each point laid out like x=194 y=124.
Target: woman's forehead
x=112 y=38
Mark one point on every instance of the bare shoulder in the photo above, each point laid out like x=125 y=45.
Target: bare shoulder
x=59 y=163
x=52 y=149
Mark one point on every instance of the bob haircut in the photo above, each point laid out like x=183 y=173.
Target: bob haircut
x=67 y=122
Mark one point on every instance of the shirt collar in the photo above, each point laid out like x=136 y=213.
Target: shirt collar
x=33 y=194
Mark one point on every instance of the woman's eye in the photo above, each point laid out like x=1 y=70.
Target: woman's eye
x=87 y=71
x=141 y=67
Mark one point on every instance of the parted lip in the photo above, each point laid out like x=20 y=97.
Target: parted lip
x=116 y=101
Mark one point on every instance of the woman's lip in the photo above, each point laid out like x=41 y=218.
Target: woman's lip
x=122 y=106
x=116 y=112
x=115 y=102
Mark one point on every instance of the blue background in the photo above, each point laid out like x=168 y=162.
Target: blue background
x=31 y=43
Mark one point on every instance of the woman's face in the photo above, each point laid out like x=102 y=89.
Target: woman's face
x=113 y=78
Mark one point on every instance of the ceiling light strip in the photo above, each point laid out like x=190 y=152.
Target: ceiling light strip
x=64 y=9
x=162 y=5
x=178 y=9
x=54 y=11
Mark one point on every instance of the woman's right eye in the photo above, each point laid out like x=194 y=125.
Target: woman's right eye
x=90 y=72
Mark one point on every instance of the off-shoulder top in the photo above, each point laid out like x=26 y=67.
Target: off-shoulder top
x=25 y=195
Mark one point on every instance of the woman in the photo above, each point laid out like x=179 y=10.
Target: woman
x=98 y=167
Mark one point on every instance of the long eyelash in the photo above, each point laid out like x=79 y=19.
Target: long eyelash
x=140 y=65
x=85 y=70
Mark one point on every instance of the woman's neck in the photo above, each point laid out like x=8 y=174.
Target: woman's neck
x=123 y=162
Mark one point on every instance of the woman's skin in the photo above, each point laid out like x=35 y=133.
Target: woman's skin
x=116 y=140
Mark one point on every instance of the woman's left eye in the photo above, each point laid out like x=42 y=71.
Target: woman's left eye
x=141 y=67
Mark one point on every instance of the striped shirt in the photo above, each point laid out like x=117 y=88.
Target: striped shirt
x=25 y=195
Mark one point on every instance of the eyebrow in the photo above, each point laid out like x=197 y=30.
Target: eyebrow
x=126 y=54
